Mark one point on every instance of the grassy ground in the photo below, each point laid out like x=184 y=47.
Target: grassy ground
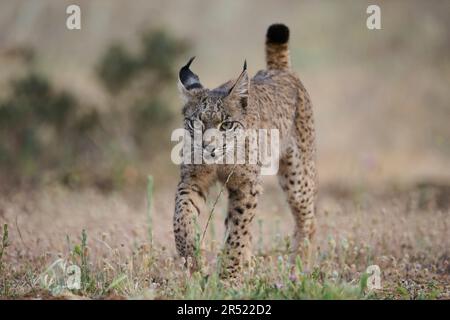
x=404 y=232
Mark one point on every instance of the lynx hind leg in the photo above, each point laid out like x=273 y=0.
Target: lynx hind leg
x=297 y=179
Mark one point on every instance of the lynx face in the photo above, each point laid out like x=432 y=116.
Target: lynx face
x=214 y=117
x=213 y=129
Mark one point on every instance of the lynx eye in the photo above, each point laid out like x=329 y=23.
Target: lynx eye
x=194 y=124
x=227 y=125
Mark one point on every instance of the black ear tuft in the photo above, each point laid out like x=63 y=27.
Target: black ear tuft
x=278 y=33
x=189 y=62
x=240 y=87
x=189 y=79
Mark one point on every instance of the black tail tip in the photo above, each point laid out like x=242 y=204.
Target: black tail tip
x=278 y=33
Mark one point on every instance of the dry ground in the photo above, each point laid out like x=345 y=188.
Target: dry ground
x=405 y=232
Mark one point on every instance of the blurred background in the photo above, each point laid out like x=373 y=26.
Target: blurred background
x=89 y=112
x=96 y=106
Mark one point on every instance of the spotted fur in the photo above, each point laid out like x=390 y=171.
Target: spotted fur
x=273 y=98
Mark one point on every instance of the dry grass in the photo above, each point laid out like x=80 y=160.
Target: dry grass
x=405 y=233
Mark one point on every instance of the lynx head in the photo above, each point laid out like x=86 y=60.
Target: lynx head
x=223 y=108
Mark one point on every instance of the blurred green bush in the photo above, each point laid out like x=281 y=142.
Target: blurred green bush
x=139 y=82
x=47 y=132
x=39 y=127
x=157 y=53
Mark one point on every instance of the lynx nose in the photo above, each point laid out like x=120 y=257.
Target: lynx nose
x=209 y=149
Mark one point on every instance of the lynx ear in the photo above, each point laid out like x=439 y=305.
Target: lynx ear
x=240 y=88
x=188 y=81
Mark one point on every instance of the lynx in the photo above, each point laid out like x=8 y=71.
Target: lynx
x=273 y=98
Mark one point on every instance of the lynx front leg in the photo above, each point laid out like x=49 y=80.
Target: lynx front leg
x=189 y=203
x=241 y=211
